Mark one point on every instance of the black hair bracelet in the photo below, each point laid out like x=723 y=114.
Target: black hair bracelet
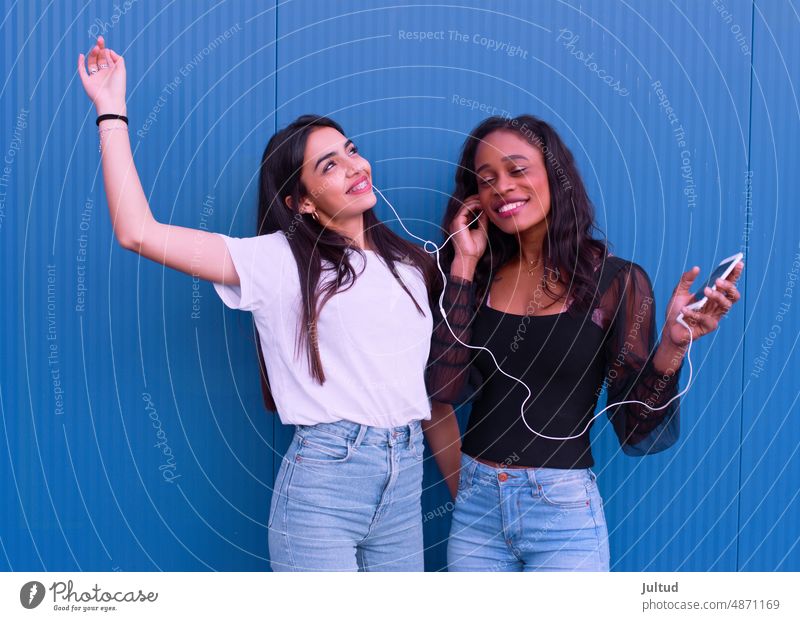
x=104 y=117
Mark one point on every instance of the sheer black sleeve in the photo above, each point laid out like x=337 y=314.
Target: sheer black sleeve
x=630 y=373
x=449 y=365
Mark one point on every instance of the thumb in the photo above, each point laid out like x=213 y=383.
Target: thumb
x=82 y=69
x=685 y=283
x=483 y=222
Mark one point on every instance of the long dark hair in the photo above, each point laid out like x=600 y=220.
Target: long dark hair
x=569 y=245
x=311 y=243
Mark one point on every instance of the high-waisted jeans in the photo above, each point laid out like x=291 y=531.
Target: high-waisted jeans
x=529 y=519
x=347 y=498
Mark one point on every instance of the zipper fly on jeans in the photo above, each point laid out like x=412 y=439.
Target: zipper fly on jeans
x=388 y=489
x=509 y=512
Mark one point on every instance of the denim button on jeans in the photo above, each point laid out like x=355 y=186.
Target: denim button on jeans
x=347 y=498
x=531 y=519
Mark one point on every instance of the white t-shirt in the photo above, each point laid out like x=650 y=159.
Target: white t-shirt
x=373 y=342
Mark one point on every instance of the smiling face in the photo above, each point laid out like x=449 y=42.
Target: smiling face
x=338 y=181
x=512 y=182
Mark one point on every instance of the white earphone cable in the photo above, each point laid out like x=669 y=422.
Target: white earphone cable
x=428 y=243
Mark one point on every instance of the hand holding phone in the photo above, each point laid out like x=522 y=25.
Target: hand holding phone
x=725 y=267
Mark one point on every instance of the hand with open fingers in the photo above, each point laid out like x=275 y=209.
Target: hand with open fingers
x=470 y=243
x=706 y=319
x=104 y=81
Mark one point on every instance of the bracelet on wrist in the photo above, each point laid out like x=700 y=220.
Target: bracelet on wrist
x=104 y=117
x=100 y=131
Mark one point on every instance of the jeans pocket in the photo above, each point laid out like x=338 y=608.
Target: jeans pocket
x=594 y=490
x=570 y=492
x=464 y=481
x=323 y=448
x=597 y=499
x=279 y=490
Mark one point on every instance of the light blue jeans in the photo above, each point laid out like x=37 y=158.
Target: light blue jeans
x=531 y=519
x=347 y=498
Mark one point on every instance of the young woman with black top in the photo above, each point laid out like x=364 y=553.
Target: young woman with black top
x=530 y=283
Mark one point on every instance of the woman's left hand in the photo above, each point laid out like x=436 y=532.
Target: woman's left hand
x=707 y=318
x=105 y=84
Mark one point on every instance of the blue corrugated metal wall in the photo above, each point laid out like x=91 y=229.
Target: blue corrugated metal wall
x=110 y=361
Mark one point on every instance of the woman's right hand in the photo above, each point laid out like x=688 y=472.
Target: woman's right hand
x=469 y=244
x=106 y=87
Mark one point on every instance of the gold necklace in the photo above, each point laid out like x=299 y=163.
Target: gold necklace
x=532 y=265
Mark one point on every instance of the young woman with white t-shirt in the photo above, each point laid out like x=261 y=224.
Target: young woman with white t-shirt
x=342 y=307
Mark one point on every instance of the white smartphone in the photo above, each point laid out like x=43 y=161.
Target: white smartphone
x=722 y=270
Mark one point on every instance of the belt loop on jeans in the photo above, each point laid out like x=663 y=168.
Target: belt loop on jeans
x=410 y=428
x=472 y=465
x=362 y=431
x=532 y=478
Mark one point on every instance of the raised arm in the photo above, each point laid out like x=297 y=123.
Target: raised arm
x=449 y=363
x=188 y=250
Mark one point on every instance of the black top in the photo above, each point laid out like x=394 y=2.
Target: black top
x=565 y=359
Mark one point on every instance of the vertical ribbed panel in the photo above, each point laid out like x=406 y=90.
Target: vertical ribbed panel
x=770 y=471
x=88 y=490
